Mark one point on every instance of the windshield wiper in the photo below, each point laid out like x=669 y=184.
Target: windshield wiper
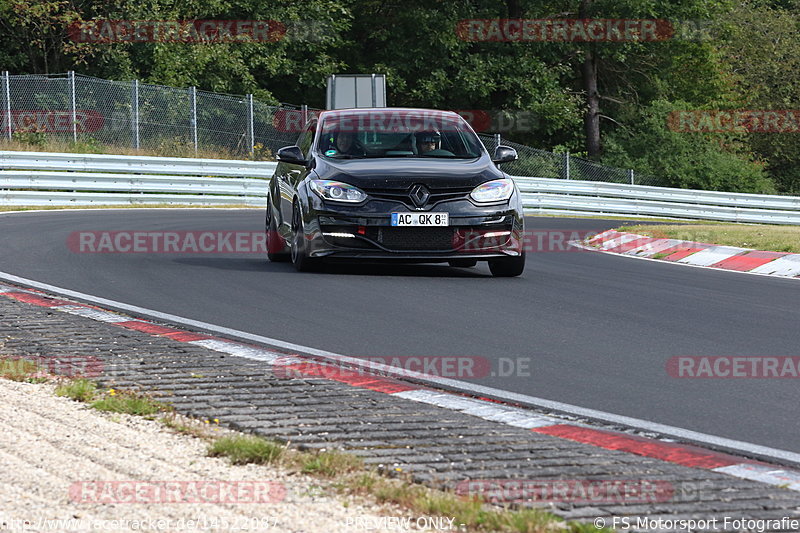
x=449 y=156
x=347 y=156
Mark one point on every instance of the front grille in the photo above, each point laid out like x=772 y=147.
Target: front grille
x=437 y=195
x=414 y=238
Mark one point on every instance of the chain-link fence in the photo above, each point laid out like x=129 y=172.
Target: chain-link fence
x=544 y=164
x=71 y=108
x=74 y=108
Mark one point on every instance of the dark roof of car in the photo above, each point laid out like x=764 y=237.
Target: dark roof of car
x=362 y=110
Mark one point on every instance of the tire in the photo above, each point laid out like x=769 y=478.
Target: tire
x=301 y=262
x=507 y=267
x=463 y=263
x=274 y=241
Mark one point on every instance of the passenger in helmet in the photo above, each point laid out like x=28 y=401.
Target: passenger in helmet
x=345 y=143
x=427 y=141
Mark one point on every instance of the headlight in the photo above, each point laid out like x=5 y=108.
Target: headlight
x=493 y=191
x=337 y=191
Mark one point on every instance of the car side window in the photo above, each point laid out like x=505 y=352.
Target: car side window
x=307 y=138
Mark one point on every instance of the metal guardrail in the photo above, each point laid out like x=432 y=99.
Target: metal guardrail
x=554 y=196
x=39 y=178
x=136 y=164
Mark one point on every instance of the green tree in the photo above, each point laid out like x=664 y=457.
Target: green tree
x=34 y=36
x=613 y=76
x=294 y=68
x=763 y=50
x=428 y=64
x=710 y=161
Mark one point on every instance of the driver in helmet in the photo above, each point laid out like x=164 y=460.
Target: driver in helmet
x=428 y=141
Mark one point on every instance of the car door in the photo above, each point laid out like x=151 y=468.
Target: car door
x=290 y=175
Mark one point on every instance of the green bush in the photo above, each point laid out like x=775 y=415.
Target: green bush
x=710 y=161
x=32 y=137
x=81 y=390
x=244 y=449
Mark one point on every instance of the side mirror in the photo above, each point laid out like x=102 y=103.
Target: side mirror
x=503 y=154
x=291 y=154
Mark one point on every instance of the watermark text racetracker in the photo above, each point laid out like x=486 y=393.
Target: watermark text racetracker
x=533 y=240
x=52 y=120
x=735 y=121
x=169 y=492
x=555 y=30
x=182 y=31
x=733 y=367
x=563 y=30
x=571 y=491
x=73 y=366
x=255 y=242
x=481 y=120
x=105 y=31
x=168 y=242
x=200 y=523
x=463 y=367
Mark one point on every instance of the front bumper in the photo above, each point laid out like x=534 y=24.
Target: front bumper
x=372 y=237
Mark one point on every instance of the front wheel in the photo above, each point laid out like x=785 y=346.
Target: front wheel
x=276 y=246
x=301 y=261
x=507 y=267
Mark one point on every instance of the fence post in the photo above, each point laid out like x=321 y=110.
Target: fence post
x=71 y=77
x=250 y=129
x=135 y=113
x=497 y=139
x=566 y=165
x=193 y=118
x=7 y=93
x=304 y=114
x=630 y=175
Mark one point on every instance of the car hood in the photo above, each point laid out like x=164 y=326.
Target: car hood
x=401 y=173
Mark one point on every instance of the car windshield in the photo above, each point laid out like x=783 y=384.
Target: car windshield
x=400 y=133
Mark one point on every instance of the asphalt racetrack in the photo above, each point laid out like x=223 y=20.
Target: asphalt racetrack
x=596 y=329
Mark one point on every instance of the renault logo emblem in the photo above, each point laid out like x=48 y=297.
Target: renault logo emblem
x=419 y=195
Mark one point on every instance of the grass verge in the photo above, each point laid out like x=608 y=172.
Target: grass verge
x=353 y=479
x=758 y=237
x=470 y=511
x=111 y=400
x=80 y=390
x=246 y=449
x=588 y=216
x=23 y=370
x=167 y=149
x=130 y=403
x=347 y=472
x=201 y=429
x=330 y=463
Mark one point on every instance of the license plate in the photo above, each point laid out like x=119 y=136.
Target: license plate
x=420 y=219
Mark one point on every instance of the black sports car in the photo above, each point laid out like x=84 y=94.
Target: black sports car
x=413 y=185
